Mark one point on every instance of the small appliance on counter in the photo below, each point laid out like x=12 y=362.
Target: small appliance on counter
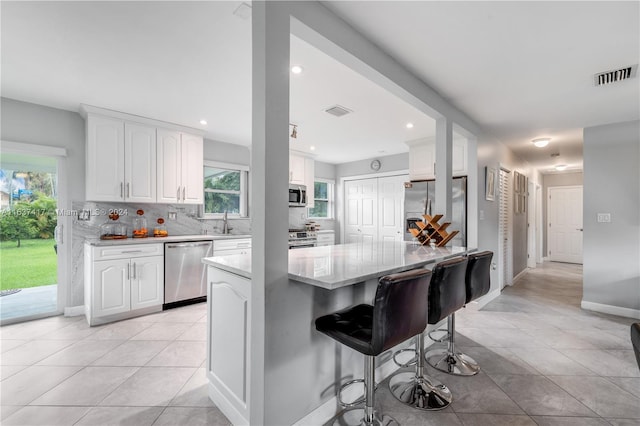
x=113 y=229
x=140 y=228
x=160 y=230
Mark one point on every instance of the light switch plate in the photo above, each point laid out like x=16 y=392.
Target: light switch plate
x=604 y=217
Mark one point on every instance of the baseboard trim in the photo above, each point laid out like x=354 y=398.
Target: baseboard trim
x=227 y=408
x=520 y=275
x=611 y=309
x=327 y=411
x=74 y=311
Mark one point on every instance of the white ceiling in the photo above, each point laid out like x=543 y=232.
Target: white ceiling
x=521 y=70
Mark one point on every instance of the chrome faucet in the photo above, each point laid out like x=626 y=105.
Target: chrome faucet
x=225 y=224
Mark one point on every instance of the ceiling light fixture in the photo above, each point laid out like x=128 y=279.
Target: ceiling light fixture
x=294 y=132
x=203 y=122
x=312 y=148
x=409 y=125
x=296 y=69
x=561 y=167
x=541 y=142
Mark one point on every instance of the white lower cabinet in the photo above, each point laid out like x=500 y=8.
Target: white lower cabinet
x=123 y=281
x=232 y=246
x=326 y=238
x=228 y=342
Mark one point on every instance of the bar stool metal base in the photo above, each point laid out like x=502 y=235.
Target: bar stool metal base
x=354 y=417
x=424 y=393
x=458 y=363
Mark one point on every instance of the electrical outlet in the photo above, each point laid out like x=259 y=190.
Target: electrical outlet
x=604 y=217
x=172 y=215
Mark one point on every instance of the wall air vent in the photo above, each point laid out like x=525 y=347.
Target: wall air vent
x=338 y=110
x=608 y=77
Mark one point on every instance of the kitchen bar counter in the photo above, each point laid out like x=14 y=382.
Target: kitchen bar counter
x=336 y=266
x=253 y=339
x=169 y=239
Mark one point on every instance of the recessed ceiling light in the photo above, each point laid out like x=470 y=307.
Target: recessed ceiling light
x=561 y=167
x=409 y=125
x=542 y=142
x=312 y=148
x=296 y=69
x=203 y=122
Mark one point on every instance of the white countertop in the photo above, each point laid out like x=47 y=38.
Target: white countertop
x=169 y=239
x=336 y=266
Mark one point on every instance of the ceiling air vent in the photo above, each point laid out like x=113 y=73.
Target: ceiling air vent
x=338 y=110
x=608 y=77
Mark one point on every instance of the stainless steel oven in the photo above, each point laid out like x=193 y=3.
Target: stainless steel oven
x=299 y=238
x=297 y=195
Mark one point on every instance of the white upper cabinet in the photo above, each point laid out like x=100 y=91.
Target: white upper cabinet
x=422 y=159
x=139 y=163
x=136 y=159
x=105 y=159
x=192 y=169
x=180 y=168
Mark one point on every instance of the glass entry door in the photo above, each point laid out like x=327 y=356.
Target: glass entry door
x=28 y=249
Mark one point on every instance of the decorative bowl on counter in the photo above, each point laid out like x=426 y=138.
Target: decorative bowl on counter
x=113 y=229
x=160 y=230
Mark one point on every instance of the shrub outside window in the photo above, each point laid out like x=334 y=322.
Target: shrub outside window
x=225 y=189
x=323 y=200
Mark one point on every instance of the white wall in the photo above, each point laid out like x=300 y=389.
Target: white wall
x=226 y=152
x=41 y=125
x=611 y=280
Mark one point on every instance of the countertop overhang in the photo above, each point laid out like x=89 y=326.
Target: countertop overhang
x=169 y=239
x=336 y=266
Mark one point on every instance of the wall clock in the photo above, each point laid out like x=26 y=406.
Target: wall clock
x=375 y=165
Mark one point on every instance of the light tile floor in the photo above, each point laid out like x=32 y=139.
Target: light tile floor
x=544 y=361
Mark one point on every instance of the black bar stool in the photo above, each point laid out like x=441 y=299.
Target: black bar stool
x=477 y=283
x=635 y=340
x=398 y=313
x=417 y=389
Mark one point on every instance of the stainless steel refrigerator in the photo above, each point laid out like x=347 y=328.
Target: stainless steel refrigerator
x=416 y=202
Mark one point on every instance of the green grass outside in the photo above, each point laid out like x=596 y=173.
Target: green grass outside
x=33 y=264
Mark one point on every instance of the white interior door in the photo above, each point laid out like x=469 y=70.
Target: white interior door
x=391 y=208
x=505 y=255
x=531 y=225
x=361 y=210
x=564 y=213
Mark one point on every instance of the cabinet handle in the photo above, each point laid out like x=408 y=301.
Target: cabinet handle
x=134 y=271
x=184 y=189
x=129 y=271
x=178 y=195
x=121 y=190
x=128 y=190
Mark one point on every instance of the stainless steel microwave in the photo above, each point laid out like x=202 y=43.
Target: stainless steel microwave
x=297 y=195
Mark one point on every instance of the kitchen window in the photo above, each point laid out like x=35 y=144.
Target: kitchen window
x=323 y=199
x=225 y=189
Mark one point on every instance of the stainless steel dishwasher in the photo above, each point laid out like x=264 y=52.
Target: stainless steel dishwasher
x=185 y=276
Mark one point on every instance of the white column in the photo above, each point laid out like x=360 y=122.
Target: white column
x=444 y=152
x=269 y=178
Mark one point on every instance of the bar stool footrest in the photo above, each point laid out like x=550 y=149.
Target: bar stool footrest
x=412 y=361
x=441 y=339
x=354 y=417
x=358 y=401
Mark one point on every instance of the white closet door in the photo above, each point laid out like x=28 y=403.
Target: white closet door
x=361 y=210
x=506 y=250
x=391 y=208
